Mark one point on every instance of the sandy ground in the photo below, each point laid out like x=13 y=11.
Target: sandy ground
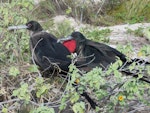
x=119 y=35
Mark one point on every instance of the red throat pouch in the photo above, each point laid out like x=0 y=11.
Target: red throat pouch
x=70 y=45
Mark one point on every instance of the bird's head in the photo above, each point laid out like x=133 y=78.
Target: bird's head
x=31 y=25
x=34 y=26
x=78 y=37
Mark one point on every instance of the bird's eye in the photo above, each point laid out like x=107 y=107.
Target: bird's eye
x=29 y=25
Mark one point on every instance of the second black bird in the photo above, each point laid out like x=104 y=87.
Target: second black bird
x=91 y=54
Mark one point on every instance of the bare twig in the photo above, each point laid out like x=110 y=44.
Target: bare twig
x=33 y=55
x=78 y=57
x=87 y=63
x=82 y=8
x=9 y=101
x=52 y=64
x=100 y=8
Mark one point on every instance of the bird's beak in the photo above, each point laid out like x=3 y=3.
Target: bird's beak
x=64 y=39
x=17 y=27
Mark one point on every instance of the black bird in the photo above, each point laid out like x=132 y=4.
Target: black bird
x=47 y=53
x=91 y=54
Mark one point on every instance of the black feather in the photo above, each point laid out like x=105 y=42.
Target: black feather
x=46 y=51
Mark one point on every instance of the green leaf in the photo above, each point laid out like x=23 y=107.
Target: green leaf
x=62 y=106
x=4 y=110
x=33 y=68
x=75 y=97
x=41 y=86
x=69 y=10
x=42 y=90
x=79 y=107
x=43 y=109
x=13 y=71
x=22 y=92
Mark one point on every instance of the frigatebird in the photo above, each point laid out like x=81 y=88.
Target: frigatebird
x=91 y=54
x=47 y=53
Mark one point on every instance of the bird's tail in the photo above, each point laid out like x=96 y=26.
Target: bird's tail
x=144 y=78
x=139 y=61
x=136 y=71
